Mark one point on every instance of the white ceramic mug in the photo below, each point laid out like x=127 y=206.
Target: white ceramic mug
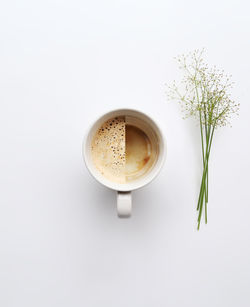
x=148 y=125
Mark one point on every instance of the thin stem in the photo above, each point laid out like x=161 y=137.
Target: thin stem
x=206 y=212
x=207 y=156
x=206 y=111
x=207 y=140
x=202 y=189
x=207 y=144
x=203 y=183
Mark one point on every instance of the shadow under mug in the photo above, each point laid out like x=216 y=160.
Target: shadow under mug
x=146 y=124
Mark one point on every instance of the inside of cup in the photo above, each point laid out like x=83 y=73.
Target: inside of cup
x=138 y=128
x=142 y=148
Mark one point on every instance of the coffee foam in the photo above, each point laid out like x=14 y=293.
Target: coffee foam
x=108 y=149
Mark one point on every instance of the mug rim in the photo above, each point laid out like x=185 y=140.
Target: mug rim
x=125 y=187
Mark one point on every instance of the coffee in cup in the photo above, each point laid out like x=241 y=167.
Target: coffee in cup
x=122 y=151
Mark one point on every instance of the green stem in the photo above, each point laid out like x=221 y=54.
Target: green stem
x=207 y=142
x=206 y=196
x=202 y=145
x=205 y=212
x=206 y=163
x=203 y=182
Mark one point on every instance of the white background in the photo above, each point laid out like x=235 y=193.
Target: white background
x=62 y=64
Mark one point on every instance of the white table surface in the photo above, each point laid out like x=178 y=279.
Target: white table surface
x=62 y=63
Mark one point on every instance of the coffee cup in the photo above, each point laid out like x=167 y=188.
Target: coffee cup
x=124 y=150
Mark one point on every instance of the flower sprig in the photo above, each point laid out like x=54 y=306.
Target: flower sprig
x=203 y=93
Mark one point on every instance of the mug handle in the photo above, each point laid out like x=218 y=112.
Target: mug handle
x=124 y=204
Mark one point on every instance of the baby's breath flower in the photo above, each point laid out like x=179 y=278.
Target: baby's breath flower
x=204 y=93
